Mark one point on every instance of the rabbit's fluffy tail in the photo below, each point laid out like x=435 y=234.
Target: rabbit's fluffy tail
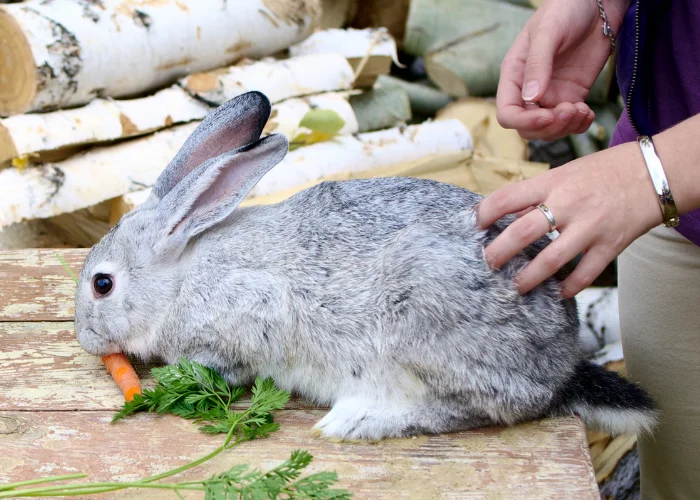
x=606 y=401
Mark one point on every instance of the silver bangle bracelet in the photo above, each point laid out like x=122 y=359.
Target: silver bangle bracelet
x=658 y=178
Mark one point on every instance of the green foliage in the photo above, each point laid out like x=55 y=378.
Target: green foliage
x=324 y=125
x=281 y=482
x=198 y=393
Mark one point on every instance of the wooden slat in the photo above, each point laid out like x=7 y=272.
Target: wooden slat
x=540 y=460
x=34 y=286
x=58 y=374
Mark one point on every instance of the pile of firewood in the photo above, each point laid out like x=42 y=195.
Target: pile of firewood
x=98 y=96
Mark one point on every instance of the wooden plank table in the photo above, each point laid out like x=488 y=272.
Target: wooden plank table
x=56 y=402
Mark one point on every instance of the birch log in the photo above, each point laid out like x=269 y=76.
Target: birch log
x=286 y=116
x=462 y=168
x=87 y=178
x=347 y=154
x=285 y=119
x=369 y=51
x=101 y=120
x=350 y=156
x=463 y=41
x=109 y=172
x=64 y=53
x=106 y=120
x=277 y=79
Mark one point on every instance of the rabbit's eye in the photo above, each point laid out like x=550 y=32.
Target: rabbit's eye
x=102 y=283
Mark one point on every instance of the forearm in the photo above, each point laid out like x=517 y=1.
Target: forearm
x=679 y=150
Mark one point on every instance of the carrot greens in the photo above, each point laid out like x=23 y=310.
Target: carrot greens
x=196 y=392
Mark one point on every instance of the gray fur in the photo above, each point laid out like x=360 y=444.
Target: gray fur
x=368 y=295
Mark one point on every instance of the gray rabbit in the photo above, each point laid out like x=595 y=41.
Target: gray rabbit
x=371 y=296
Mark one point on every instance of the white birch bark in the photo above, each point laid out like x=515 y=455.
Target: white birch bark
x=351 y=43
x=364 y=152
x=286 y=116
x=284 y=119
x=369 y=51
x=106 y=120
x=345 y=156
x=277 y=79
x=67 y=52
x=101 y=120
x=109 y=172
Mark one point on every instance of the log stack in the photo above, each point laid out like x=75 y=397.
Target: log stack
x=104 y=123
x=97 y=97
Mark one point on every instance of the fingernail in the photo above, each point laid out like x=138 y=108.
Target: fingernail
x=565 y=116
x=530 y=90
x=566 y=294
x=490 y=261
x=542 y=122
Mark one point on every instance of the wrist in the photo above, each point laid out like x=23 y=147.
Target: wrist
x=680 y=172
x=644 y=197
x=657 y=174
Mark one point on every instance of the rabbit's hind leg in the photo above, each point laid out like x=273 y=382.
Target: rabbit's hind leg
x=359 y=418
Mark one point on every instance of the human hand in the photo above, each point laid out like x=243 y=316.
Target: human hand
x=554 y=62
x=601 y=203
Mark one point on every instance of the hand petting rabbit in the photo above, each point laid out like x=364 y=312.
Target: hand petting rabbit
x=371 y=296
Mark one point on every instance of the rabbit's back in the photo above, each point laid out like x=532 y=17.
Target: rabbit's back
x=390 y=273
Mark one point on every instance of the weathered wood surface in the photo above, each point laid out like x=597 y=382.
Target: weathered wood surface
x=57 y=374
x=56 y=402
x=539 y=460
x=34 y=286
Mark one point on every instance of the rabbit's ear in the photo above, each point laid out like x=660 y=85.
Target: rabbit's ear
x=233 y=125
x=213 y=190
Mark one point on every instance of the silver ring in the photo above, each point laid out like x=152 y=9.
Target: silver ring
x=550 y=217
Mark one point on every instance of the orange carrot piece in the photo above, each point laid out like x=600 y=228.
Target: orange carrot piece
x=123 y=374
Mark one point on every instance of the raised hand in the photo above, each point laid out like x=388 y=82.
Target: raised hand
x=551 y=67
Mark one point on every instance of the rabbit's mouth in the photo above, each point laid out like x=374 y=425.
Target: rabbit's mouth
x=95 y=343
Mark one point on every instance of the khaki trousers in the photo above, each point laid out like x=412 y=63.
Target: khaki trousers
x=659 y=297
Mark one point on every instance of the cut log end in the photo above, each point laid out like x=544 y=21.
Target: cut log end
x=18 y=72
x=447 y=80
x=7 y=145
x=297 y=12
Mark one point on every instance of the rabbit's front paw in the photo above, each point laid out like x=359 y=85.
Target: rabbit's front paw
x=360 y=419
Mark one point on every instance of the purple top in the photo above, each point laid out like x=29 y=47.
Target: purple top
x=666 y=88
